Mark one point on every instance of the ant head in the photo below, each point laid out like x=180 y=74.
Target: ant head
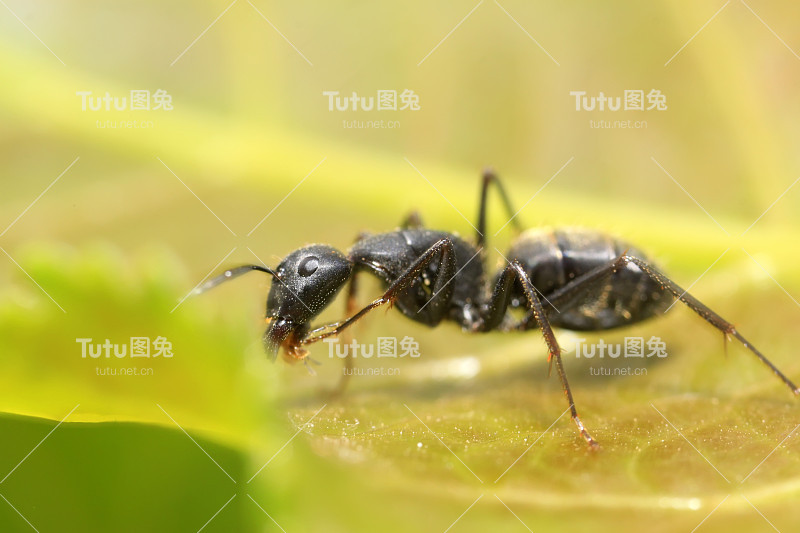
x=304 y=284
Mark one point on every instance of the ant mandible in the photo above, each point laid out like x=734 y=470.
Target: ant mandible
x=589 y=281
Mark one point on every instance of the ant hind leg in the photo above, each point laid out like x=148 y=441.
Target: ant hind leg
x=728 y=329
x=572 y=292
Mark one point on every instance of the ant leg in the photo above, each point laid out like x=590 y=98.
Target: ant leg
x=574 y=292
x=496 y=311
x=488 y=178
x=710 y=316
x=441 y=289
x=571 y=291
x=350 y=307
x=412 y=221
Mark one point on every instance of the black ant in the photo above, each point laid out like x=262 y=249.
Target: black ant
x=589 y=281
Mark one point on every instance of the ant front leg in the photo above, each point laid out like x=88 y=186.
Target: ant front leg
x=495 y=313
x=441 y=290
x=351 y=304
x=350 y=307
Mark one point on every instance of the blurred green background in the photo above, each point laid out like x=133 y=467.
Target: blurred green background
x=250 y=163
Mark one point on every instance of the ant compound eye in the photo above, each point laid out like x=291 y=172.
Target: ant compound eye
x=308 y=266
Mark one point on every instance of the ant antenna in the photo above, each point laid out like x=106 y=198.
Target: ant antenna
x=230 y=274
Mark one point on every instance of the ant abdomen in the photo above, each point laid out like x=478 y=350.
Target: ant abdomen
x=555 y=257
